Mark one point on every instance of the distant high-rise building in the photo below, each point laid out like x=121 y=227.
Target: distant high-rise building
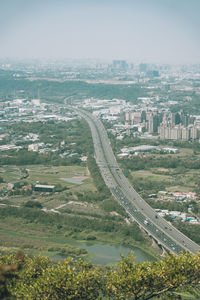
x=194 y=132
x=185 y=133
x=127 y=116
x=152 y=119
x=184 y=119
x=136 y=117
x=164 y=132
x=175 y=117
x=119 y=65
x=179 y=132
x=175 y=133
x=143 y=67
x=153 y=73
x=143 y=116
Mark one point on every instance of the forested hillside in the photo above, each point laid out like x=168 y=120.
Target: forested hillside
x=23 y=277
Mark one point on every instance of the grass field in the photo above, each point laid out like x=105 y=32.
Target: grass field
x=52 y=176
x=184 y=182
x=9 y=174
x=184 y=152
x=151 y=175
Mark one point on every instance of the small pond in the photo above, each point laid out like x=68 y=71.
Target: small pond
x=75 y=180
x=107 y=254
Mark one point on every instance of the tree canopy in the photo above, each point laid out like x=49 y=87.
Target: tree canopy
x=24 y=277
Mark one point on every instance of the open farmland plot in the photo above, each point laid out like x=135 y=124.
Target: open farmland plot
x=9 y=174
x=49 y=175
x=165 y=179
x=152 y=175
x=52 y=176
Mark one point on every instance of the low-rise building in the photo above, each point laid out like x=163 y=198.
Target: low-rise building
x=44 y=188
x=35 y=147
x=142 y=148
x=169 y=150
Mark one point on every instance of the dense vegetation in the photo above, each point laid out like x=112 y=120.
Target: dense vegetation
x=189 y=230
x=97 y=178
x=71 y=223
x=189 y=107
x=61 y=90
x=52 y=133
x=165 y=161
x=23 y=277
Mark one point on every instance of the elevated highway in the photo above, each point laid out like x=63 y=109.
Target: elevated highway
x=158 y=228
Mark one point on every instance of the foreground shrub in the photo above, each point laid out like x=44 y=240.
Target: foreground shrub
x=24 y=277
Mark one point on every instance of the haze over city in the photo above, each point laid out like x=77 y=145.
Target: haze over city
x=99 y=149
x=153 y=31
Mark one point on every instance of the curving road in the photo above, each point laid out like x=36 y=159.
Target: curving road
x=158 y=228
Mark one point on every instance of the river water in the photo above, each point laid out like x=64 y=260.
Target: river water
x=110 y=254
x=106 y=254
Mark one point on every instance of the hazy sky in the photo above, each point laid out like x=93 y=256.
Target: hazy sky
x=160 y=31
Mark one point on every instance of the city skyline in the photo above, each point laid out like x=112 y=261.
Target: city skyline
x=142 y=31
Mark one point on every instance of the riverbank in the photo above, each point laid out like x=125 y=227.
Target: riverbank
x=55 y=242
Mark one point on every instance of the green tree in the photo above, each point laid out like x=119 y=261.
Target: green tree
x=33 y=204
x=150 y=279
x=175 y=277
